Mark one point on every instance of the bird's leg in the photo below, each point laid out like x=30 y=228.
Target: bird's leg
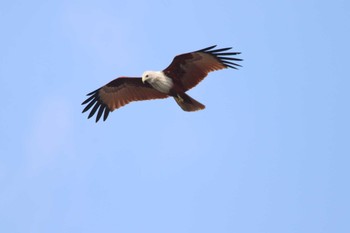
x=180 y=98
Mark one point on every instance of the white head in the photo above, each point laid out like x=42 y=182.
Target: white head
x=158 y=80
x=148 y=75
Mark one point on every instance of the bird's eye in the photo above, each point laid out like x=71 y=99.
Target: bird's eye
x=147 y=76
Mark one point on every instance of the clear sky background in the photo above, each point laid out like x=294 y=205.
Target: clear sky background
x=270 y=153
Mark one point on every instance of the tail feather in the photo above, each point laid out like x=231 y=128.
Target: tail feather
x=187 y=103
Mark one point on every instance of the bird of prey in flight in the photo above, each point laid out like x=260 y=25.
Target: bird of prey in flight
x=184 y=72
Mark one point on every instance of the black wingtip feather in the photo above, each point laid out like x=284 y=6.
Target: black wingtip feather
x=230 y=54
x=95 y=103
x=230 y=58
x=93 y=92
x=88 y=100
x=99 y=113
x=88 y=106
x=206 y=49
x=232 y=63
x=94 y=109
x=105 y=115
x=220 y=50
x=222 y=56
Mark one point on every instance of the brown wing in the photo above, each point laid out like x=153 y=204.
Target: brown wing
x=118 y=93
x=189 y=69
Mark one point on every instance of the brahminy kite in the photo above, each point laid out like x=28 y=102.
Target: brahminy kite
x=184 y=72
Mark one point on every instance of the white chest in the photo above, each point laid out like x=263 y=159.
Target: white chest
x=161 y=82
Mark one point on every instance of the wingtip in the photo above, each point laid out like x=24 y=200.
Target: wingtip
x=224 y=56
x=206 y=49
x=105 y=115
x=91 y=93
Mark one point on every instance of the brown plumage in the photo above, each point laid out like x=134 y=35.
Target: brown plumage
x=184 y=72
x=118 y=93
x=191 y=68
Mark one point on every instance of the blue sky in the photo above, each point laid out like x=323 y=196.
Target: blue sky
x=270 y=153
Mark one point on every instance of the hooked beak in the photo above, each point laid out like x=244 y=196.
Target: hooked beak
x=144 y=79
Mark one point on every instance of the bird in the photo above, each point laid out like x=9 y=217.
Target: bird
x=184 y=72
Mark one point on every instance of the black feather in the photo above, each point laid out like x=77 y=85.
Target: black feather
x=219 y=50
x=206 y=49
x=230 y=58
x=88 y=99
x=89 y=105
x=105 y=115
x=231 y=63
x=93 y=92
x=94 y=109
x=223 y=57
x=229 y=54
x=100 y=111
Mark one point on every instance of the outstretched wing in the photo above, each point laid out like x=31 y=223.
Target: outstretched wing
x=190 y=68
x=118 y=93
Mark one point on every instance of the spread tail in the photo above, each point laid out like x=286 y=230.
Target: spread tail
x=187 y=103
